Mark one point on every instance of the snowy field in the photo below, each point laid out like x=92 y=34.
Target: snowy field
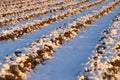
x=60 y=40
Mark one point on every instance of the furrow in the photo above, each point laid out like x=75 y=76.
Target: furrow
x=31 y=7
x=104 y=63
x=14 y=33
x=6 y=21
x=20 y=63
x=22 y=4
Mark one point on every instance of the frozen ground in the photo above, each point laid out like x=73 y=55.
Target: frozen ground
x=71 y=57
x=37 y=53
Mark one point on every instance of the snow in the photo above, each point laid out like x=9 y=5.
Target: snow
x=28 y=38
x=71 y=57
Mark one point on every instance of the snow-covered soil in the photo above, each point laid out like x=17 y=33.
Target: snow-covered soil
x=60 y=40
x=105 y=62
x=71 y=57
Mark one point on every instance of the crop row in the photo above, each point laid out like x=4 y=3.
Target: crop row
x=14 y=33
x=21 y=62
x=21 y=3
x=7 y=21
x=31 y=7
x=105 y=63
